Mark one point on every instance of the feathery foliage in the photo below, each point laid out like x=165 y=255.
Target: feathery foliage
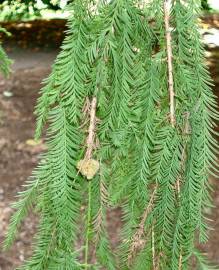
x=5 y=62
x=132 y=124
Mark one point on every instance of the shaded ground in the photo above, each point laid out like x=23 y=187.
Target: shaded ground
x=18 y=156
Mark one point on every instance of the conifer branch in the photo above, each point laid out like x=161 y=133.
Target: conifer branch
x=167 y=7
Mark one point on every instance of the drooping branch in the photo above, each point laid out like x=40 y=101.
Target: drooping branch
x=167 y=7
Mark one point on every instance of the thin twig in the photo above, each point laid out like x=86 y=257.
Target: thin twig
x=91 y=131
x=180 y=261
x=167 y=6
x=137 y=243
x=153 y=248
x=157 y=266
x=186 y=131
x=88 y=156
x=146 y=213
x=183 y=160
x=99 y=220
x=88 y=227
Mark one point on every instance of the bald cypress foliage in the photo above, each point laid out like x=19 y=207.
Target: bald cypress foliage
x=131 y=123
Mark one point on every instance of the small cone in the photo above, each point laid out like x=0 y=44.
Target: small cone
x=88 y=168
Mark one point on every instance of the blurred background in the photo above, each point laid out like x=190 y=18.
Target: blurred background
x=37 y=29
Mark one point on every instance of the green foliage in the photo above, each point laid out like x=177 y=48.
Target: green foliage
x=203 y=264
x=12 y=10
x=17 y=10
x=157 y=172
x=5 y=62
x=205 y=5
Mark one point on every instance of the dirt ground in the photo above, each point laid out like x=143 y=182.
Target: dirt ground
x=18 y=156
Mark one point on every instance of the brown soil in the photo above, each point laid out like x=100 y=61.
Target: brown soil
x=19 y=156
